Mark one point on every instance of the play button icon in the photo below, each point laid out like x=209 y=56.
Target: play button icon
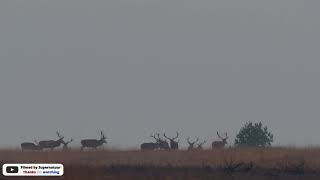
x=12 y=169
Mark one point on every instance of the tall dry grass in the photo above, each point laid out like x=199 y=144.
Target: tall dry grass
x=266 y=163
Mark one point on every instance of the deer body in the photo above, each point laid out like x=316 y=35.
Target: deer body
x=30 y=146
x=218 y=144
x=163 y=145
x=51 y=144
x=93 y=143
x=149 y=146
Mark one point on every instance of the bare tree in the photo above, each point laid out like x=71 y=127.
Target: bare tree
x=65 y=144
x=51 y=144
x=93 y=143
x=222 y=143
x=199 y=145
x=173 y=143
x=191 y=144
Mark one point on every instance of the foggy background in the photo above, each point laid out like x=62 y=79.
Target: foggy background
x=134 y=67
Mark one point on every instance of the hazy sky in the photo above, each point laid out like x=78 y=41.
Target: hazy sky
x=133 y=67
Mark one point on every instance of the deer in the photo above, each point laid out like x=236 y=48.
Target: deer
x=150 y=145
x=65 y=145
x=51 y=144
x=199 y=145
x=30 y=146
x=220 y=144
x=93 y=143
x=174 y=145
x=191 y=144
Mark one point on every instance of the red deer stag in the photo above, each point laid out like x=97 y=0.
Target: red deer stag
x=93 y=143
x=220 y=144
x=191 y=144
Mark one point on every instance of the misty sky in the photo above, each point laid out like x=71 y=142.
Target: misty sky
x=133 y=67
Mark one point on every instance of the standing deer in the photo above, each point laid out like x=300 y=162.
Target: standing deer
x=65 y=145
x=150 y=145
x=191 y=144
x=199 y=145
x=93 y=143
x=30 y=146
x=173 y=144
x=51 y=144
x=220 y=144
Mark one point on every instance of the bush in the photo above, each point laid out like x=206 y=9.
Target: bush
x=254 y=135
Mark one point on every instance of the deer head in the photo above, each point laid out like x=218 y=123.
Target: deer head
x=223 y=139
x=103 y=137
x=191 y=144
x=36 y=142
x=60 y=137
x=171 y=139
x=65 y=144
x=201 y=144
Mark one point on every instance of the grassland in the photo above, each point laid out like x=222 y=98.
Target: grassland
x=238 y=163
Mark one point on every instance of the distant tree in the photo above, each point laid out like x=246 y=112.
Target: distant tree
x=254 y=135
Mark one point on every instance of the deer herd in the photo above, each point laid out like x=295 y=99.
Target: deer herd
x=160 y=143
x=52 y=144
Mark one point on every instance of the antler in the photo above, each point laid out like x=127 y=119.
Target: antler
x=153 y=136
x=102 y=135
x=219 y=135
x=172 y=139
x=159 y=138
x=158 y=134
x=188 y=139
x=164 y=135
x=176 y=136
x=58 y=134
x=226 y=135
x=203 y=142
x=70 y=141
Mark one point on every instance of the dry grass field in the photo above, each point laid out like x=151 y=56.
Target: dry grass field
x=238 y=163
